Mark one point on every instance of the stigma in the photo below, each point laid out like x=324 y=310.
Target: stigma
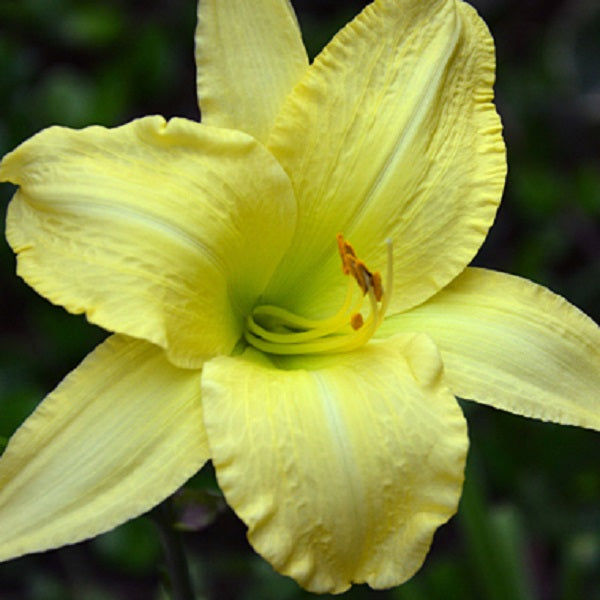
x=275 y=330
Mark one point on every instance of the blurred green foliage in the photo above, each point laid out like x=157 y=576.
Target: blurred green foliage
x=528 y=527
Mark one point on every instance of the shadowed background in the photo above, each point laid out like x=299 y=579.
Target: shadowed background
x=528 y=527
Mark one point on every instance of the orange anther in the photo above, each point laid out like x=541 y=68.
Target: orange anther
x=377 y=286
x=356 y=320
x=346 y=253
x=352 y=265
x=361 y=274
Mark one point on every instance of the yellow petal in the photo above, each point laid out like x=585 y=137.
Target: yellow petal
x=162 y=231
x=249 y=55
x=341 y=466
x=117 y=436
x=515 y=345
x=392 y=134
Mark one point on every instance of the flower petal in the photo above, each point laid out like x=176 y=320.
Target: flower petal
x=162 y=231
x=341 y=466
x=122 y=432
x=392 y=134
x=515 y=345
x=249 y=55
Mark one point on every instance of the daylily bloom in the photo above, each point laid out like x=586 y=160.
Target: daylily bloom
x=288 y=291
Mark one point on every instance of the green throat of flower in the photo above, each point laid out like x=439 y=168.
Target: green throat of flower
x=275 y=330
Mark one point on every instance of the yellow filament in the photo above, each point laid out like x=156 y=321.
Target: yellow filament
x=277 y=331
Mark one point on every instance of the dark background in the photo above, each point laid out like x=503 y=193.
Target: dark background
x=529 y=523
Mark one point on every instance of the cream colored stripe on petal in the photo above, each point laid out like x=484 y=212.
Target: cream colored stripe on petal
x=392 y=133
x=514 y=345
x=166 y=231
x=249 y=55
x=121 y=433
x=342 y=466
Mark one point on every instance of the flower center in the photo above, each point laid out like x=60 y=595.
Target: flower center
x=275 y=330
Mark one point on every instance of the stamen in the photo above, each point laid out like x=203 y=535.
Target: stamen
x=277 y=331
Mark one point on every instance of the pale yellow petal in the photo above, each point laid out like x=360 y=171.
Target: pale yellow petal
x=515 y=345
x=162 y=231
x=249 y=55
x=392 y=134
x=342 y=466
x=117 y=436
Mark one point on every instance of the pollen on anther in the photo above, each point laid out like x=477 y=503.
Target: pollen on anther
x=377 y=285
x=352 y=265
x=346 y=253
x=356 y=321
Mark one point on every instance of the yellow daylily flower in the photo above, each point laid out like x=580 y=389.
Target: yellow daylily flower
x=318 y=371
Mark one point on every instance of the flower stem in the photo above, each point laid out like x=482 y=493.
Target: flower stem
x=174 y=552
